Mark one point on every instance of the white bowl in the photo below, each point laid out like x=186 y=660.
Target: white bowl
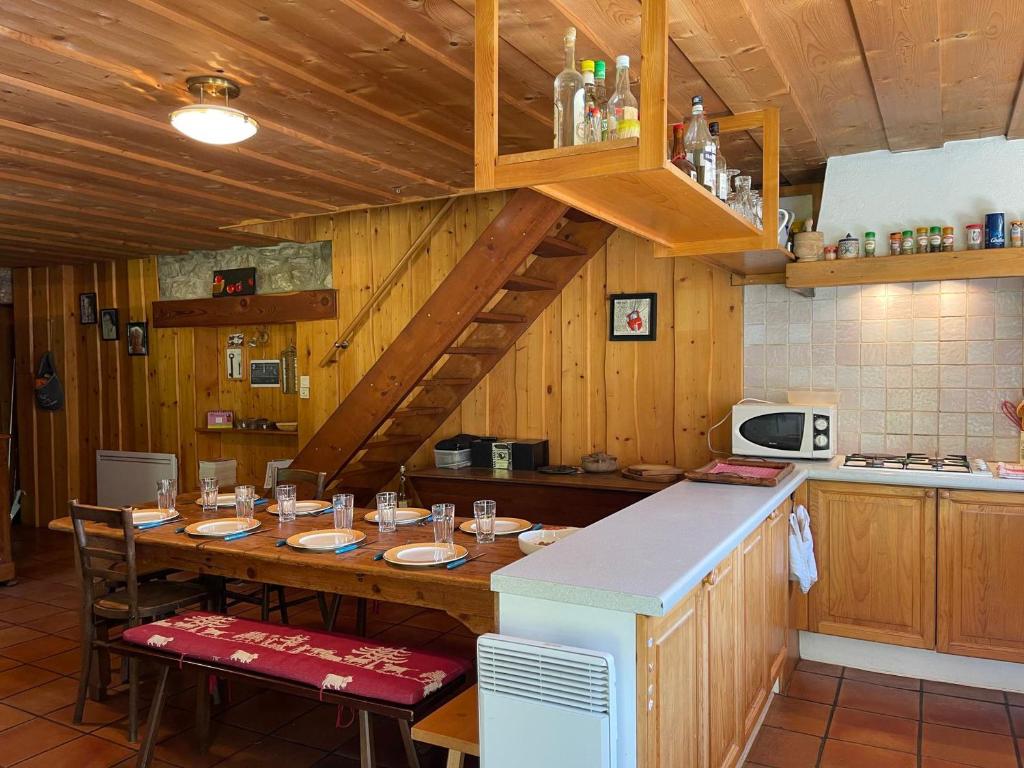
x=530 y=541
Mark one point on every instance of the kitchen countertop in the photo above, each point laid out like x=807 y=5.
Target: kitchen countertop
x=647 y=557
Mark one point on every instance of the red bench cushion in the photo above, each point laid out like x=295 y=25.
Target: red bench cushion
x=326 y=661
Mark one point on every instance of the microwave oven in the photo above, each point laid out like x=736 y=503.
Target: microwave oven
x=780 y=430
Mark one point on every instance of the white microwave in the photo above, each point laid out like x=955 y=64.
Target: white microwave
x=780 y=430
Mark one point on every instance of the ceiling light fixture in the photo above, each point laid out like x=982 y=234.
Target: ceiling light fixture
x=213 y=123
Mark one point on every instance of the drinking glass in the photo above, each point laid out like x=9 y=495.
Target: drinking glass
x=208 y=490
x=387 y=503
x=443 y=516
x=343 y=504
x=285 y=495
x=245 y=501
x=166 y=494
x=484 y=511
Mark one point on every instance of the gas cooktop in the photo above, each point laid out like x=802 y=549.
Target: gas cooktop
x=956 y=463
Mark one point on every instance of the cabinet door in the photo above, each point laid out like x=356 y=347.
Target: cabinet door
x=981 y=574
x=875 y=547
x=670 y=678
x=722 y=596
x=754 y=609
x=778 y=589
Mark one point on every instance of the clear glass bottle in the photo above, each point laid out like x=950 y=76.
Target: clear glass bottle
x=743 y=201
x=568 y=96
x=589 y=129
x=700 y=147
x=677 y=156
x=601 y=92
x=623 y=112
x=721 y=168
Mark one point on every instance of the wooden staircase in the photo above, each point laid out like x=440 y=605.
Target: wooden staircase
x=520 y=263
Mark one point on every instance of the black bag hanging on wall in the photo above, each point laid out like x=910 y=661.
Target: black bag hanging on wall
x=49 y=393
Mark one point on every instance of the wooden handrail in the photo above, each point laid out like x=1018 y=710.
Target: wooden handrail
x=343 y=341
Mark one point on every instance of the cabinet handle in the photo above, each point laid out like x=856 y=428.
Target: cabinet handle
x=943 y=494
x=712 y=578
x=775 y=514
x=929 y=494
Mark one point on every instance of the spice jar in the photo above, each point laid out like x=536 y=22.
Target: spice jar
x=922 y=239
x=830 y=252
x=895 y=242
x=934 y=240
x=1016 y=234
x=947 y=239
x=869 y=243
x=907 y=243
x=849 y=247
x=974 y=237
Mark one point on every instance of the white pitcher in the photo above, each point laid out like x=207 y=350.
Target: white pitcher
x=785 y=221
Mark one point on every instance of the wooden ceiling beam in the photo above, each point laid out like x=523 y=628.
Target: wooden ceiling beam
x=52 y=250
x=901 y=45
x=64 y=235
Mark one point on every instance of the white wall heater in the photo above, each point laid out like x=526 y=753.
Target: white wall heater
x=544 y=705
x=127 y=477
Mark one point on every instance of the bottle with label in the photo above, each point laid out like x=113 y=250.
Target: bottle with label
x=678 y=154
x=907 y=245
x=721 y=168
x=623 y=112
x=935 y=240
x=700 y=147
x=947 y=239
x=589 y=129
x=869 y=243
x=922 y=239
x=568 y=96
x=601 y=92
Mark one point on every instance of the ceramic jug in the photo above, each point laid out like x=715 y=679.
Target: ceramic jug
x=785 y=222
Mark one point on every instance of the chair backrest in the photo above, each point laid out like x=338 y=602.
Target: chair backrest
x=104 y=557
x=315 y=481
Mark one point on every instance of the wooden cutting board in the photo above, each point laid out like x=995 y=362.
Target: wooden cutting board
x=653 y=473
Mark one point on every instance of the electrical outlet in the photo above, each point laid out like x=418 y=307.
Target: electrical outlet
x=304 y=387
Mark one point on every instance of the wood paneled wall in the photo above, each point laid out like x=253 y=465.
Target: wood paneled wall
x=650 y=401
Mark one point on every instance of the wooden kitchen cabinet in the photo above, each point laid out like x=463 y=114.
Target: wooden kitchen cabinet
x=777 y=540
x=981 y=574
x=875 y=547
x=754 y=636
x=723 y=592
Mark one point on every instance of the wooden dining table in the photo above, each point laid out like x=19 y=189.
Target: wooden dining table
x=464 y=592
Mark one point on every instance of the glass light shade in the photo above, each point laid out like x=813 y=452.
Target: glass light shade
x=214 y=123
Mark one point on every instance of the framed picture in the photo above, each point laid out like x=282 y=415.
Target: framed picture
x=264 y=373
x=138 y=338
x=633 y=317
x=87 y=308
x=234 y=282
x=109 y=328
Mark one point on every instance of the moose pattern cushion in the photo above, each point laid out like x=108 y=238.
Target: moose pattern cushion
x=330 y=662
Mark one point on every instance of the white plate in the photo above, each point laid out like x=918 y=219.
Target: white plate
x=222 y=526
x=146 y=516
x=503 y=526
x=226 y=500
x=403 y=515
x=425 y=555
x=327 y=540
x=303 y=508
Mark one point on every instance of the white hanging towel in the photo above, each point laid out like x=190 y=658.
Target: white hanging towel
x=802 y=567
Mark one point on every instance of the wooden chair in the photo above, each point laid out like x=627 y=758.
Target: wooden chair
x=453 y=726
x=112 y=595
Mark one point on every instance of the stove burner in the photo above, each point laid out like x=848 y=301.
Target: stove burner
x=914 y=461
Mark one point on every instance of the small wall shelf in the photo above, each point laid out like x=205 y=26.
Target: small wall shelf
x=955 y=265
x=260 y=309
x=246 y=432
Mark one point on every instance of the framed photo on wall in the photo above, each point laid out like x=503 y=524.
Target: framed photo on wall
x=633 y=317
x=87 y=308
x=109 y=328
x=138 y=339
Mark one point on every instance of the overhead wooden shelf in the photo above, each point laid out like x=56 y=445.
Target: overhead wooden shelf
x=957 y=265
x=261 y=309
x=258 y=432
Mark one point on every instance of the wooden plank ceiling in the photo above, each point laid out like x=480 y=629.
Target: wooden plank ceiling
x=369 y=102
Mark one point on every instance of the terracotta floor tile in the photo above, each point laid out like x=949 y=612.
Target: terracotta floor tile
x=879 y=678
x=83 y=752
x=454 y=644
x=10 y=717
x=843 y=754
x=880 y=699
x=820 y=668
x=39 y=648
x=273 y=753
x=266 y=712
x=180 y=750
x=96 y=715
x=315 y=729
x=173 y=722
x=32 y=737
x=966 y=713
x=1015 y=699
x=1017 y=715
x=934 y=762
x=45 y=698
x=131 y=761
x=67 y=663
x=22 y=678
x=798 y=715
x=27 y=613
x=54 y=622
x=14 y=634
x=777 y=748
x=974 y=748
x=964 y=691
x=439 y=621
x=806 y=685
x=403 y=636
x=872 y=729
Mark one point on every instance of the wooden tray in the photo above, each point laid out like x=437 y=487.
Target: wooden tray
x=653 y=473
x=706 y=474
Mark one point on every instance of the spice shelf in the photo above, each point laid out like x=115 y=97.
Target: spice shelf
x=256 y=432
x=955 y=265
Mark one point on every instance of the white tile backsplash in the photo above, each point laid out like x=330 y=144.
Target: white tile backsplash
x=919 y=366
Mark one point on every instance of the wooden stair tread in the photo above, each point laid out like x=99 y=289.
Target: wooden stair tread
x=474 y=351
x=498 y=317
x=526 y=283
x=556 y=247
x=386 y=440
x=368 y=467
x=418 y=410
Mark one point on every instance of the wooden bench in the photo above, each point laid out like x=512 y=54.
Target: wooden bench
x=369 y=678
x=454 y=726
